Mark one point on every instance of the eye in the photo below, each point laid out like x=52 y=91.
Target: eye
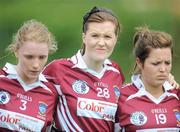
x=94 y=35
x=29 y=57
x=167 y=62
x=107 y=36
x=42 y=57
x=155 y=63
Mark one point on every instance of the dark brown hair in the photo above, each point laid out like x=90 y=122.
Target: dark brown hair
x=99 y=15
x=146 y=39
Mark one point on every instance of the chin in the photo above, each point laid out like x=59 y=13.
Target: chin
x=33 y=77
x=101 y=58
x=159 y=83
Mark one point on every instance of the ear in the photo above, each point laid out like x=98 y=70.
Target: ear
x=139 y=63
x=16 y=53
x=83 y=37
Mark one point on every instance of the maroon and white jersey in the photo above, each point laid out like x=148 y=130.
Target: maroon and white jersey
x=25 y=108
x=139 y=111
x=88 y=100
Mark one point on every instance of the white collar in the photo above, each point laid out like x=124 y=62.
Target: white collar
x=139 y=84
x=78 y=61
x=10 y=69
x=136 y=80
x=12 y=74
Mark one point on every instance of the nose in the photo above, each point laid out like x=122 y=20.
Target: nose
x=36 y=64
x=101 y=42
x=162 y=68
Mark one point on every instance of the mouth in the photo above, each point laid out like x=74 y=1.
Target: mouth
x=162 y=77
x=101 y=50
x=34 y=72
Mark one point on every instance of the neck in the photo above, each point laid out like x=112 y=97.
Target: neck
x=155 y=91
x=94 y=65
x=25 y=79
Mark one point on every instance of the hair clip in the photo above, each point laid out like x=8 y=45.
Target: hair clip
x=88 y=14
x=95 y=10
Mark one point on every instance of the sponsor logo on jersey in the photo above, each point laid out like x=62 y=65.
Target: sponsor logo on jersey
x=19 y=122
x=96 y=109
x=159 y=110
x=101 y=84
x=138 y=118
x=177 y=114
x=4 y=97
x=80 y=87
x=159 y=130
x=24 y=97
x=42 y=108
x=117 y=92
x=8 y=118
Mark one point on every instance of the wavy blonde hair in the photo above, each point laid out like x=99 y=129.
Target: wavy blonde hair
x=32 y=30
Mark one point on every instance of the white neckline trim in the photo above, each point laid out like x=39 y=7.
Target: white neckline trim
x=142 y=91
x=12 y=74
x=78 y=62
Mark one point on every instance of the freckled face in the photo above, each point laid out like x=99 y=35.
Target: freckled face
x=99 y=40
x=32 y=57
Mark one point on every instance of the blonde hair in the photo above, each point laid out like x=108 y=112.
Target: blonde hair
x=32 y=30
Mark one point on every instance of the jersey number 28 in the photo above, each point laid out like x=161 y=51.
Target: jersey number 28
x=103 y=92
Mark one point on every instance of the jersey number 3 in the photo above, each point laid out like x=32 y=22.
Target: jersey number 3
x=23 y=106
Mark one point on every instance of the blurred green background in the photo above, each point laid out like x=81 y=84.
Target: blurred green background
x=64 y=20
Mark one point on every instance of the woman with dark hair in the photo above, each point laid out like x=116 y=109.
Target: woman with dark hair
x=147 y=104
x=89 y=81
